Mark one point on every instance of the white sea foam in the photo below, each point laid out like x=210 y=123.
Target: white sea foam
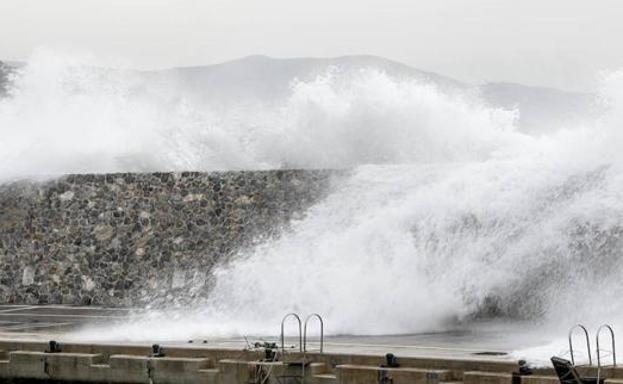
x=450 y=212
x=66 y=115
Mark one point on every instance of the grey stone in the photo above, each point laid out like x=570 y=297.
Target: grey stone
x=135 y=239
x=28 y=276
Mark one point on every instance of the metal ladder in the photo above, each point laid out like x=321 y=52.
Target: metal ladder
x=283 y=322
x=302 y=344
x=317 y=316
x=588 y=343
x=613 y=351
x=283 y=378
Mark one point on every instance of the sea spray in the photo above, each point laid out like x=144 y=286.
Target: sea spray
x=66 y=115
x=451 y=213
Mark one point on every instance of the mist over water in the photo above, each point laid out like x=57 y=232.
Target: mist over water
x=450 y=213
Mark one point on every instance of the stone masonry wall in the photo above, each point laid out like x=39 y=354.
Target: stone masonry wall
x=132 y=239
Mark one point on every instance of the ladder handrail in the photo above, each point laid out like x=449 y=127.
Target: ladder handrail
x=588 y=343
x=614 y=354
x=321 y=331
x=283 y=344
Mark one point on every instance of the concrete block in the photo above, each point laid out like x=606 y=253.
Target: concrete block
x=70 y=366
x=4 y=369
x=209 y=376
x=27 y=365
x=315 y=369
x=55 y=366
x=356 y=374
x=235 y=371
x=612 y=372
x=277 y=371
x=475 y=377
x=126 y=369
x=535 y=379
x=177 y=370
x=323 y=379
x=101 y=372
x=4 y=364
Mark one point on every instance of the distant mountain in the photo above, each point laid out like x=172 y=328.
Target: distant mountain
x=265 y=78
x=542 y=109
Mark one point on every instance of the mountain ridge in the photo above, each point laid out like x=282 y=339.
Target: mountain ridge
x=263 y=77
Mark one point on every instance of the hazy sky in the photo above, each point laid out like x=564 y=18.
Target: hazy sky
x=561 y=43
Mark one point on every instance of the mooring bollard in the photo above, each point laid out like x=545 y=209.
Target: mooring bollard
x=53 y=347
x=157 y=351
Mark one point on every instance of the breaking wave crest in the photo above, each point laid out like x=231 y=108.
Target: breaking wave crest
x=65 y=116
x=450 y=212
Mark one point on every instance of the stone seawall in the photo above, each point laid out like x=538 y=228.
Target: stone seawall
x=132 y=239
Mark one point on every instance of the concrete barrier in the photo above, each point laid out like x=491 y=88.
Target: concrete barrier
x=56 y=366
x=181 y=370
x=133 y=364
x=80 y=367
x=354 y=374
x=125 y=368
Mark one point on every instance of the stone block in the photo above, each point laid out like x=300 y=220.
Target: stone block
x=535 y=379
x=172 y=370
x=128 y=368
x=475 y=377
x=58 y=366
x=70 y=366
x=323 y=379
x=4 y=369
x=355 y=374
x=27 y=365
x=235 y=371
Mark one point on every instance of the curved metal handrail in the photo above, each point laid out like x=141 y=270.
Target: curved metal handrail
x=283 y=344
x=321 y=331
x=614 y=354
x=588 y=344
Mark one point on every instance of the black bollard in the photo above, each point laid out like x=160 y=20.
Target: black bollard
x=53 y=347
x=391 y=361
x=524 y=370
x=157 y=351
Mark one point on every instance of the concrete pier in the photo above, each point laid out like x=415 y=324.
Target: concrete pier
x=133 y=364
x=122 y=363
x=25 y=332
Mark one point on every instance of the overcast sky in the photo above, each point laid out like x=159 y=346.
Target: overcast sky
x=561 y=43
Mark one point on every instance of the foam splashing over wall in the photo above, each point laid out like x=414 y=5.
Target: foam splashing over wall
x=65 y=115
x=451 y=213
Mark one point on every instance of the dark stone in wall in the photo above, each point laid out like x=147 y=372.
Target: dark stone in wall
x=137 y=239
